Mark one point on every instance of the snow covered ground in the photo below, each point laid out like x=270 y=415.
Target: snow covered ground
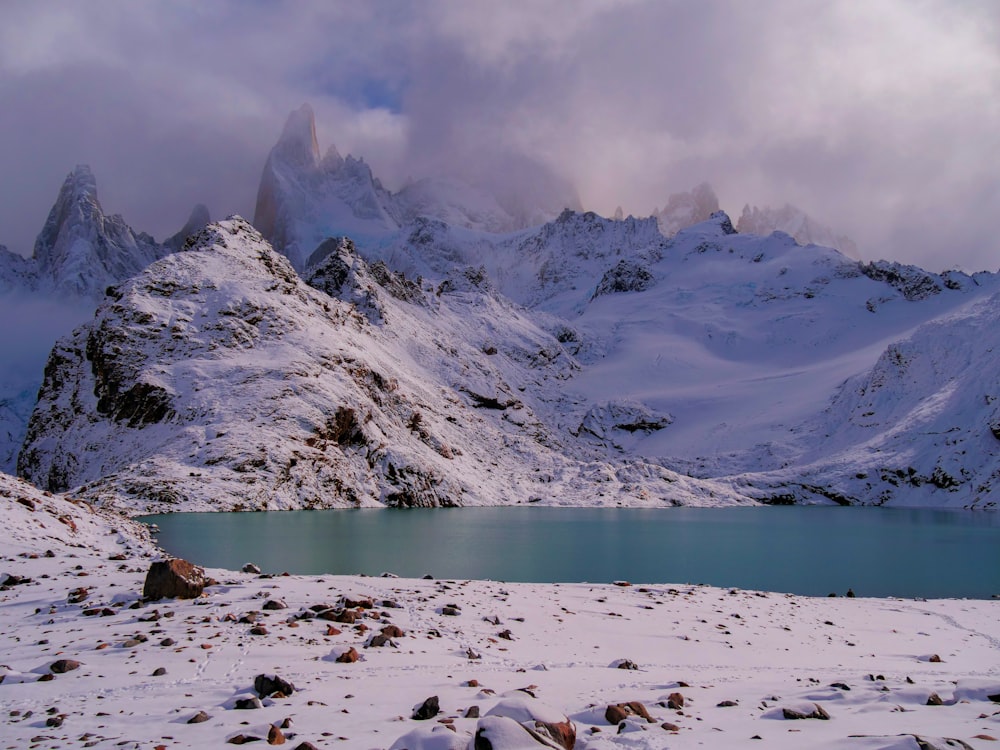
x=737 y=659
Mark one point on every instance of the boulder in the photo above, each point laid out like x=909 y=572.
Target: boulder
x=427 y=710
x=618 y=712
x=176 y=578
x=269 y=684
x=63 y=665
x=538 y=718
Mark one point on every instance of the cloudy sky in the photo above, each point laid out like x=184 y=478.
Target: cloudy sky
x=881 y=118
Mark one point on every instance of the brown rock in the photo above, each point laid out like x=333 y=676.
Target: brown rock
x=242 y=739
x=275 y=736
x=675 y=701
x=393 y=631
x=348 y=657
x=199 y=718
x=173 y=579
x=934 y=700
x=618 y=712
x=818 y=712
x=64 y=665
x=330 y=630
x=670 y=727
x=472 y=712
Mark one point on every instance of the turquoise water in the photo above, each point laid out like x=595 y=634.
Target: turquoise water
x=803 y=550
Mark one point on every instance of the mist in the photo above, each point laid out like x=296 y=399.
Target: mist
x=881 y=120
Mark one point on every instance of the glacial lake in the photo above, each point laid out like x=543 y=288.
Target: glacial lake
x=802 y=550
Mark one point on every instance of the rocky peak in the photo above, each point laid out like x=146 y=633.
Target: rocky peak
x=76 y=209
x=298 y=144
x=80 y=251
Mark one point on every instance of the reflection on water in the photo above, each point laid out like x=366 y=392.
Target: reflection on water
x=805 y=550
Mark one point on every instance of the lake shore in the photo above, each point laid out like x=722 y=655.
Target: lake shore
x=738 y=659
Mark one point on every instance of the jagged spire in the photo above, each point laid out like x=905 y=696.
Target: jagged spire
x=298 y=144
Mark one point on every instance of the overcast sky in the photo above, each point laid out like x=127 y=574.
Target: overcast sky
x=880 y=118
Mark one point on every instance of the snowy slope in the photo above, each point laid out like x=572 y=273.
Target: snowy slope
x=139 y=671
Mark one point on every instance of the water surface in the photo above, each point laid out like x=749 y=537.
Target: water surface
x=804 y=550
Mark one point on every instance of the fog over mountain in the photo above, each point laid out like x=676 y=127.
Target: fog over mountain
x=877 y=121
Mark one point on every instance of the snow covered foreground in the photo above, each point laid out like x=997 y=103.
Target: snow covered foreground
x=736 y=659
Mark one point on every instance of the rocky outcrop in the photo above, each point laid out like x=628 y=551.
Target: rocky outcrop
x=626 y=276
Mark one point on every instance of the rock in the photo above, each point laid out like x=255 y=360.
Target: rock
x=348 y=657
x=726 y=704
x=538 y=718
x=818 y=712
x=670 y=727
x=451 y=611
x=64 y=665
x=159 y=672
x=358 y=603
x=305 y=746
x=393 y=631
x=248 y=704
x=504 y=733
x=472 y=712
x=78 y=595
x=427 y=710
x=380 y=640
x=251 y=568
x=618 y=712
x=275 y=736
x=258 y=630
x=675 y=701
x=242 y=739
x=174 y=578
x=272 y=604
x=199 y=718
x=269 y=684
x=934 y=700
x=625 y=664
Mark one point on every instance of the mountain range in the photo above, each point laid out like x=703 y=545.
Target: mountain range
x=450 y=345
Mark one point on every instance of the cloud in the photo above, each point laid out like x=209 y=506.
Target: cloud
x=881 y=119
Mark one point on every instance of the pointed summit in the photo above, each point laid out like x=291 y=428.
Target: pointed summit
x=298 y=144
x=76 y=206
x=80 y=251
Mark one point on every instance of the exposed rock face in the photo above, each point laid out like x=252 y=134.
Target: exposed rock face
x=173 y=579
x=627 y=276
x=914 y=283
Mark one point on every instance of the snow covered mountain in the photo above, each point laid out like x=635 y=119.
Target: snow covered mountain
x=694 y=370
x=217 y=379
x=303 y=198
x=796 y=222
